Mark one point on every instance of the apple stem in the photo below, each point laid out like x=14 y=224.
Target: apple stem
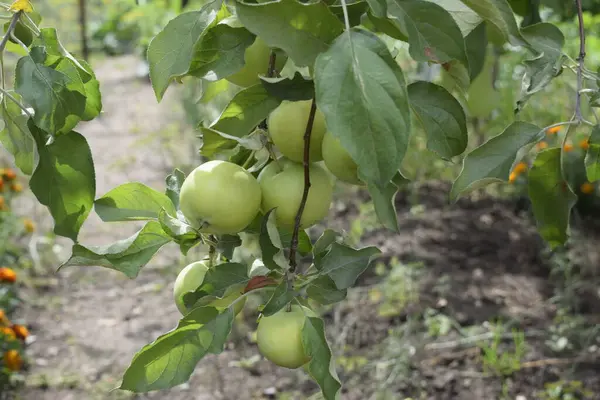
x=212 y=251
x=306 y=164
x=271 y=72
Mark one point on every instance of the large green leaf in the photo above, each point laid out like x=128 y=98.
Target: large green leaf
x=127 y=256
x=220 y=53
x=499 y=14
x=174 y=182
x=362 y=93
x=492 y=161
x=217 y=280
x=384 y=201
x=442 y=117
x=93 y=97
x=439 y=42
x=15 y=136
x=344 y=264
x=302 y=30
x=57 y=94
x=172 y=357
x=592 y=158
x=466 y=18
x=132 y=201
x=551 y=197
x=321 y=366
x=280 y=298
x=476 y=43
x=323 y=291
x=64 y=180
x=294 y=89
x=270 y=243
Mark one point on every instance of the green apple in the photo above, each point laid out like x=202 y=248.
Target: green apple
x=279 y=337
x=287 y=125
x=283 y=188
x=220 y=197
x=256 y=60
x=338 y=161
x=191 y=277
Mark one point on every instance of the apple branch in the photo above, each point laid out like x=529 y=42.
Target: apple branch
x=10 y=30
x=306 y=164
x=580 y=62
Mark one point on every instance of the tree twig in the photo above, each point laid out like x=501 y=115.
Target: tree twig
x=11 y=28
x=306 y=163
x=580 y=62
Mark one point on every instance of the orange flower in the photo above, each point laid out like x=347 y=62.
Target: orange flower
x=520 y=167
x=3 y=319
x=1 y=184
x=553 y=130
x=584 y=144
x=9 y=174
x=13 y=360
x=7 y=275
x=29 y=225
x=541 y=146
x=16 y=187
x=21 y=331
x=8 y=333
x=587 y=188
x=568 y=147
x=513 y=177
x=2 y=202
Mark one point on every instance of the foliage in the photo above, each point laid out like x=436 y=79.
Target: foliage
x=503 y=362
x=564 y=390
x=348 y=62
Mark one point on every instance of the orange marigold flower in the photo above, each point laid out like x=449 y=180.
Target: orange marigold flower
x=553 y=130
x=1 y=184
x=13 y=360
x=520 y=167
x=584 y=144
x=29 y=225
x=513 y=177
x=16 y=187
x=21 y=331
x=568 y=147
x=541 y=146
x=8 y=333
x=587 y=188
x=9 y=174
x=7 y=275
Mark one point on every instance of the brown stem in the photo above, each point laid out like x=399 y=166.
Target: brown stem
x=580 y=61
x=306 y=163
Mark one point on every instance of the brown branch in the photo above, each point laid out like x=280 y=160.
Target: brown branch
x=306 y=163
x=580 y=62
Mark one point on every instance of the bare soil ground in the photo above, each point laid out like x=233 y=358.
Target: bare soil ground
x=481 y=261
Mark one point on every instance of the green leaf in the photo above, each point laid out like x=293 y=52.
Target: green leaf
x=302 y=30
x=218 y=279
x=362 y=93
x=174 y=182
x=227 y=243
x=324 y=242
x=551 y=197
x=57 y=94
x=492 y=161
x=170 y=53
x=93 y=97
x=280 y=298
x=270 y=243
x=48 y=39
x=64 y=180
x=323 y=291
x=243 y=113
x=294 y=89
x=466 y=19
x=132 y=201
x=345 y=264
x=592 y=158
x=442 y=117
x=127 y=256
x=383 y=201
x=178 y=229
x=499 y=14
x=321 y=367
x=214 y=99
x=439 y=42
x=393 y=27
x=220 y=53
x=172 y=357
x=16 y=137
x=304 y=244
x=355 y=11
x=476 y=43
x=378 y=8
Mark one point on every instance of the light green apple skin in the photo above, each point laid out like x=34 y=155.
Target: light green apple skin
x=287 y=125
x=279 y=337
x=222 y=195
x=256 y=58
x=338 y=161
x=283 y=189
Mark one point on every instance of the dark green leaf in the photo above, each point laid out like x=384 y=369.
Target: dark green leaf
x=181 y=233
x=492 y=161
x=466 y=19
x=219 y=278
x=270 y=243
x=227 y=243
x=321 y=366
x=93 y=97
x=323 y=291
x=499 y=14
x=551 y=197
x=304 y=244
x=439 y=42
x=383 y=201
x=345 y=264
x=302 y=30
x=16 y=137
x=294 y=89
x=442 y=117
x=172 y=357
x=48 y=39
x=280 y=298
x=64 y=180
x=174 y=182
x=362 y=93
x=592 y=158
x=220 y=53
x=132 y=201
x=214 y=99
x=378 y=8
x=355 y=11
x=392 y=27
x=476 y=43
x=327 y=238
x=127 y=256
